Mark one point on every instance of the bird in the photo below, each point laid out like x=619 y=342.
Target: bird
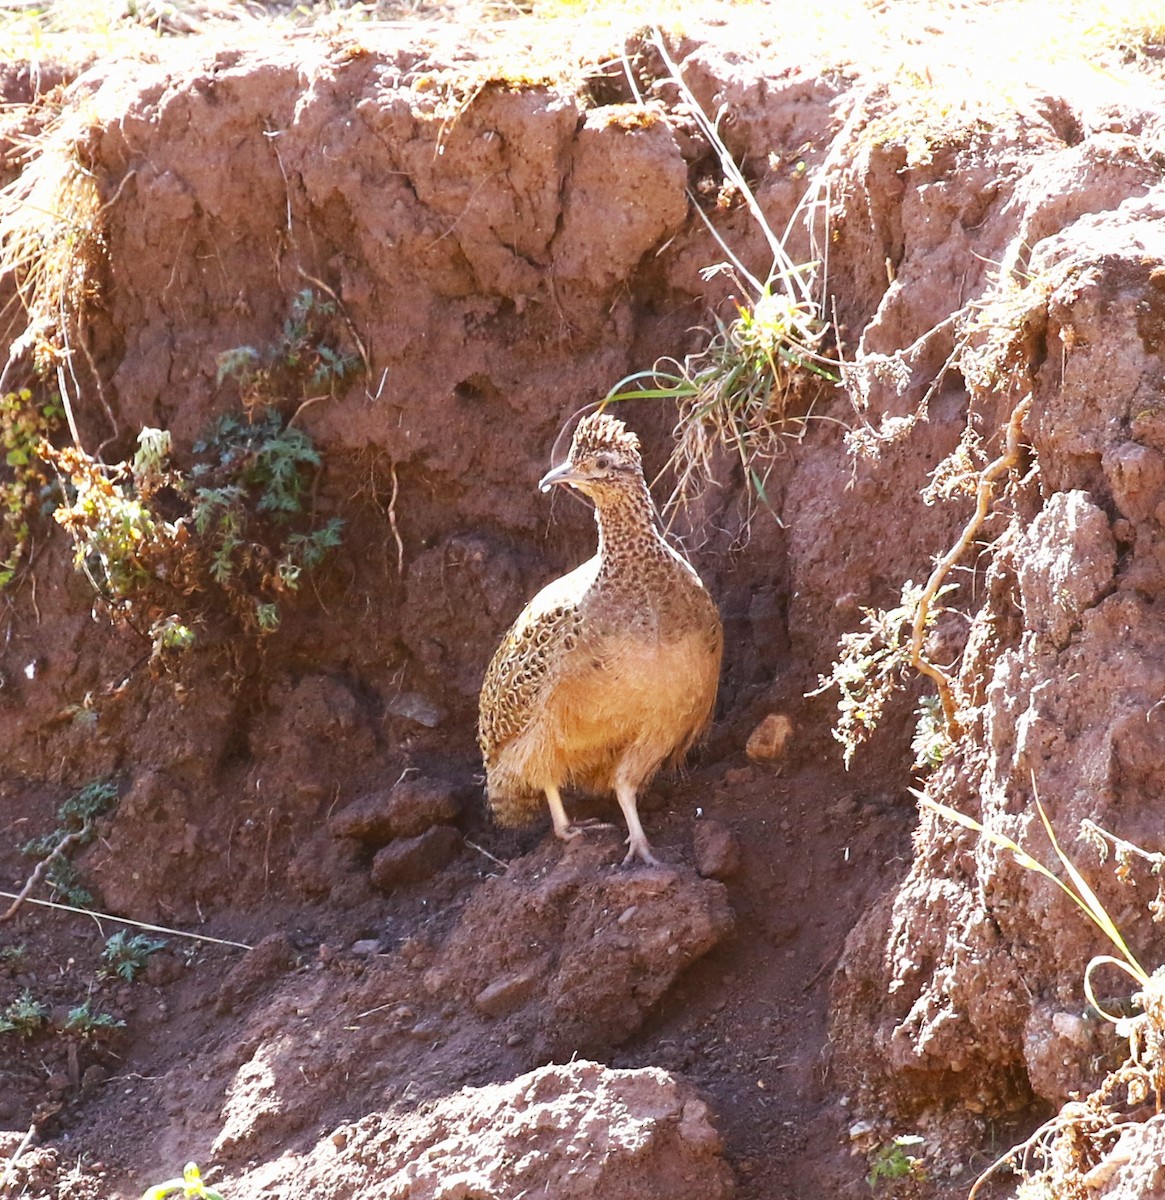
x=611 y=670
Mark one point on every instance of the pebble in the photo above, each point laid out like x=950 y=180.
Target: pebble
x=768 y=741
x=403 y=811
x=717 y=850
x=504 y=995
x=410 y=860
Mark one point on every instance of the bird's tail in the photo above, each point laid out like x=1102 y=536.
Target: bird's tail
x=512 y=808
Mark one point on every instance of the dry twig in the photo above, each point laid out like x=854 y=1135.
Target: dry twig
x=984 y=493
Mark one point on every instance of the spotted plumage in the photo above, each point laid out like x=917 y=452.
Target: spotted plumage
x=610 y=670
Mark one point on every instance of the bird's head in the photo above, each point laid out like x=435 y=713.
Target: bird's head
x=604 y=455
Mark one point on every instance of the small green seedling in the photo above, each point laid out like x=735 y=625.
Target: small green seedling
x=84 y=1021
x=24 y=1016
x=894 y=1161
x=189 y=1185
x=126 y=957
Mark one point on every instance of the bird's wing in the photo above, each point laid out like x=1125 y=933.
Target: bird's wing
x=526 y=664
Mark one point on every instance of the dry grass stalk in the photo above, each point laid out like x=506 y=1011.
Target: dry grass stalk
x=52 y=247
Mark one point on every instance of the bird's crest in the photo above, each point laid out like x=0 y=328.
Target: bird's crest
x=597 y=432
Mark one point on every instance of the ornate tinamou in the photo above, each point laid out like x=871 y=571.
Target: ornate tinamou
x=610 y=670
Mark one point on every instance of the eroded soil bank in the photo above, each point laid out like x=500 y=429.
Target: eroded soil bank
x=435 y=1007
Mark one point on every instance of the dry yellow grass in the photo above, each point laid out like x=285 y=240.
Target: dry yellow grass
x=972 y=47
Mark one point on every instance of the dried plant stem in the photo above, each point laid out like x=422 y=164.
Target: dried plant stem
x=400 y=548
x=10 y=1165
x=79 y=835
x=984 y=493
x=102 y=916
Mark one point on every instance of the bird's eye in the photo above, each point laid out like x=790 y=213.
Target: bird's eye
x=603 y=462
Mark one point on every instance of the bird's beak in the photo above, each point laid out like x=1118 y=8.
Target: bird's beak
x=563 y=474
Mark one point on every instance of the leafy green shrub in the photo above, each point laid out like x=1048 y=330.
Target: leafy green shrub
x=300 y=358
x=894 y=1161
x=190 y=1185
x=239 y=538
x=165 y=545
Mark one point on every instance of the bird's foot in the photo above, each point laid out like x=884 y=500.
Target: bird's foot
x=574 y=829
x=642 y=851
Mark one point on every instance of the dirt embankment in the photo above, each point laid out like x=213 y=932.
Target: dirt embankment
x=489 y=255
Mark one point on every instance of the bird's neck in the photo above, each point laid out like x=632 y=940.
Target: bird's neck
x=628 y=530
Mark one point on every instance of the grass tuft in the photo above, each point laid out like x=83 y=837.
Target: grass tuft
x=746 y=391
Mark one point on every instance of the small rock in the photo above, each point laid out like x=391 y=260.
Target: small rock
x=768 y=740
x=407 y=810
x=365 y=947
x=322 y=863
x=409 y=860
x=163 y=968
x=266 y=962
x=738 y=777
x=9 y=1140
x=696 y=1127
x=95 y=1075
x=1073 y=1028
x=506 y=994
x=717 y=850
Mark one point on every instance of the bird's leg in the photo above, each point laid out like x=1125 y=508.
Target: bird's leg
x=636 y=838
x=564 y=827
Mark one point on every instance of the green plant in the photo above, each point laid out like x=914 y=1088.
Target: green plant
x=894 y=1161
x=13 y=956
x=871 y=665
x=190 y=1185
x=242 y=539
x=299 y=358
x=164 y=546
x=75 y=819
x=125 y=957
x=1076 y=889
x=24 y=1016
x=24 y=425
x=87 y=1024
